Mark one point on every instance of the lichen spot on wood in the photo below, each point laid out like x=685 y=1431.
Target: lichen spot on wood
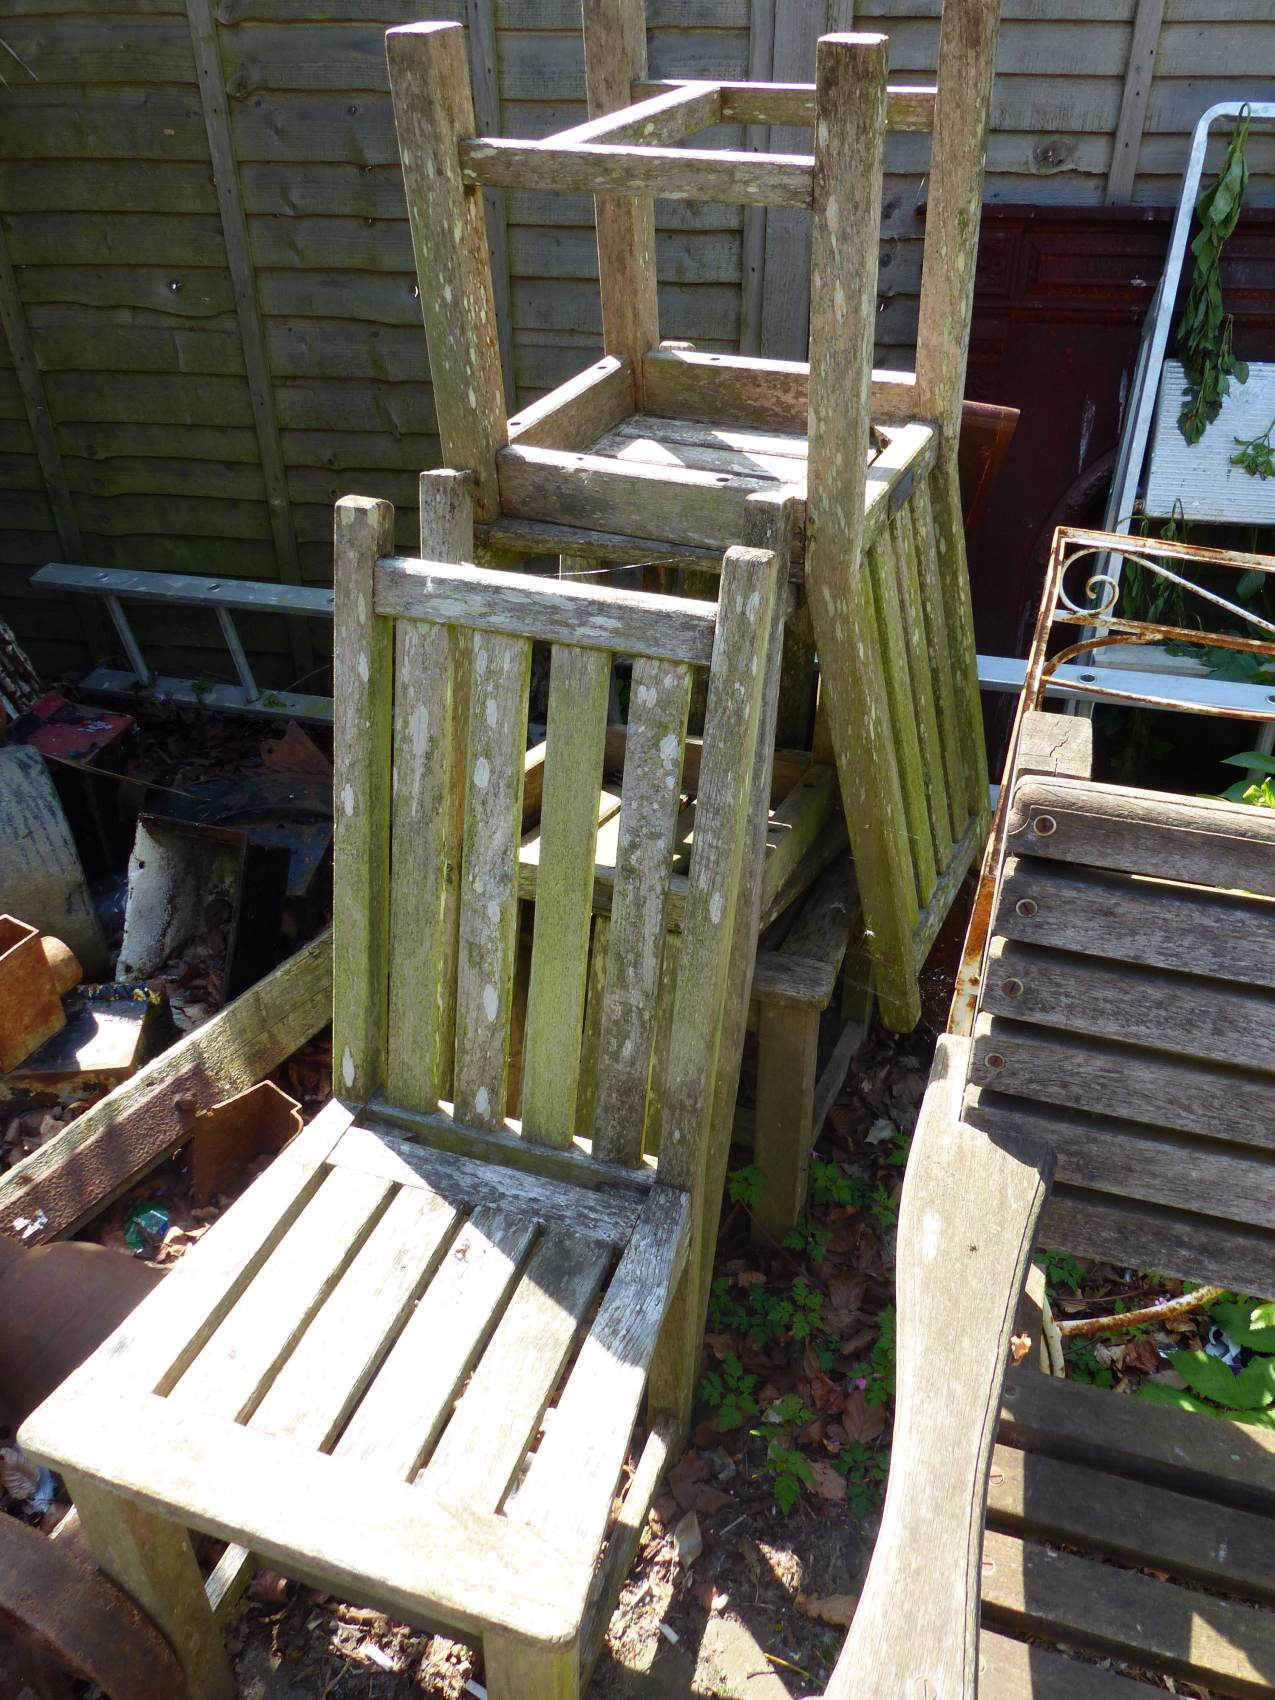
x=482 y=773
x=482 y=1103
x=364 y=670
x=491 y=1003
x=362 y=611
x=493 y=712
x=668 y=748
x=347 y=1067
x=754 y=603
x=347 y=799
x=716 y=904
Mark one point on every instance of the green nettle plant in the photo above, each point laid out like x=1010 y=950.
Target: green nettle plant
x=1212 y=1386
x=1204 y=331
x=1260 y=793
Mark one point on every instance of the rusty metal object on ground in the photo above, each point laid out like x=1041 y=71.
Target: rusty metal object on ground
x=111 y=1031
x=57 y=1304
x=60 y=1619
x=227 y=1139
x=34 y=973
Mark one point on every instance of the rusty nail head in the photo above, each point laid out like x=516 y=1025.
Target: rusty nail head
x=994 y=1059
x=1043 y=825
x=925 y=1689
x=989 y=1564
x=1012 y=988
x=996 y=1477
x=1025 y=906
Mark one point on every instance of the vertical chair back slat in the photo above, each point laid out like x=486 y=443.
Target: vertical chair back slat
x=896 y=543
x=363 y=684
x=579 y=684
x=736 y=695
x=659 y=700
x=501 y=678
x=881 y=588
x=920 y=539
x=431 y=716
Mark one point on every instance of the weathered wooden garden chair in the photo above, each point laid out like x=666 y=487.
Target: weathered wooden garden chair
x=348 y=1377
x=1124 y=1032
x=652 y=453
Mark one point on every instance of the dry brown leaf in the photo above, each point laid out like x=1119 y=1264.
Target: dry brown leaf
x=833 y=1608
x=829 y=1482
x=688 y=1539
x=846 y=1291
x=1019 y=1346
x=750 y=1278
x=860 y=1420
x=722 y=1345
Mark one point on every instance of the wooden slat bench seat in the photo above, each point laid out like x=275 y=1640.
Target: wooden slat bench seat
x=1120 y=1048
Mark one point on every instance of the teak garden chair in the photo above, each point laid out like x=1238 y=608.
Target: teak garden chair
x=348 y=1376
x=654 y=450
x=1123 y=1034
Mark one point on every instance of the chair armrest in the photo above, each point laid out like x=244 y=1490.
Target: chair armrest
x=968 y=1219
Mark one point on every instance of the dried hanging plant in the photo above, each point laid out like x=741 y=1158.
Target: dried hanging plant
x=1204 y=332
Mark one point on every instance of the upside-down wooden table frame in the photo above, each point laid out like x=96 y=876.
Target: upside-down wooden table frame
x=652 y=453
x=1122 y=1042
x=349 y=1376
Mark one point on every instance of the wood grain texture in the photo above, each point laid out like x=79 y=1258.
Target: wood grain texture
x=433 y=109
x=1178 y=1242
x=1101 y=1154
x=966 y=1228
x=1216 y=1642
x=677 y=174
x=1204 y=841
x=670 y=115
x=236 y=1367
x=551 y=610
x=579 y=687
x=1133 y=104
x=153 y=1348
x=1046 y=1499
x=736 y=690
x=363 y=675
x=153 y=1562
x=795 y=825
x=901 y=580
x=470 y=1180
x=615 y=56
x=568 y=1490
x=484 y=59
x=1221 y=935
x=938 y=506
x=501 y=674
x=1205 y=1019
x=769 y=525
x=225 y=166
x=851 y=77
x=431 y=711
x=1223 y=1463
x=679 y=504
x=1017 y=1670
x=968 y=37
x=921 y=559
x=239 y=1046
x=796 y=982
x=787 y=1057
x=792 y=104
x=410 y=1398
x=325 y=1376
x=497 y=1416
x=785 y=308
x=578 y=412
x=929 y=850
x=352 y=1530
x=1054 y=744
x=659 y=699
x=1106 y=1078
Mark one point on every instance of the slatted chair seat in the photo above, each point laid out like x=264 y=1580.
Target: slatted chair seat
x=408 y=1364
x=1121 y=1053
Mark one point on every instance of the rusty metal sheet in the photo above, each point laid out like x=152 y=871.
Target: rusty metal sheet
x=58 y=1615
x=227 y=1139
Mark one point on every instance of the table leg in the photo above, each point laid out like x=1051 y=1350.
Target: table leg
x=153 y=1561
x=518 y=1670
x=787 y=1055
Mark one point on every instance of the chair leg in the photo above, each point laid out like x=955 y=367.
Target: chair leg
x=153 y=1561
x=520 y=1670
x=787 y=1056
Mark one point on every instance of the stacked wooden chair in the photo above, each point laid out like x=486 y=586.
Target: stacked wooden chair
x=1122 y=1045
x=652 y=454
x=406 y=1366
